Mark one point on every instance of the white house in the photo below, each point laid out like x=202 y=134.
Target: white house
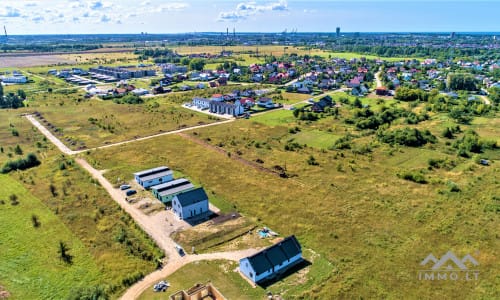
x=190 y=204
x=14 y=79
x=151 y=177
x=265 y=102
x=201 y=103
x=233 y=109
x=273 y=261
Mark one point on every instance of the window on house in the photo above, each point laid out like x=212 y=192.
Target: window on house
x=251 y=274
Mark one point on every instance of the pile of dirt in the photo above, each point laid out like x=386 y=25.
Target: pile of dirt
x=3 y=293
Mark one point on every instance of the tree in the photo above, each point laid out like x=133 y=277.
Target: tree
x=18 y=150
x=21 y=94
x=494 y=94
x=35 y=221
x=448 y=133
x=458 y=81
x=11 y=101
x=63 y=253
x=197 y=64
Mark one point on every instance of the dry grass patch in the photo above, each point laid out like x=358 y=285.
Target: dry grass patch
x=207 y=235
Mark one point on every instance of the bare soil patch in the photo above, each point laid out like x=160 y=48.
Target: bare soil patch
x=3 y=293
x=33 y=61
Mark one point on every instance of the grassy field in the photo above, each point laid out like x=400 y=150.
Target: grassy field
x=31 y=267
x=351 y=209
x=231 y=235
x=92 y=123
x=102 y=237
x=220 y=273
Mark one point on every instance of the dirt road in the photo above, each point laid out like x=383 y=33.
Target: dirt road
x=159 y=226
x=486 y=100
x=377 y=78
x=137 y=289
x=50 y=136
x=63 y=148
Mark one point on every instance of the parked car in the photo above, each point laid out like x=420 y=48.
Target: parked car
x=161 y=286
x=180 y=250
x=124 y=187
x=131 y=192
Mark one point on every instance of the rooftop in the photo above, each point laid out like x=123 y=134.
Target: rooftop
x=275 y=255
x=151 y=171
x=192 y=197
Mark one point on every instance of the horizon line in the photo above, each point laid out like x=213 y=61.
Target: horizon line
x=269 y=32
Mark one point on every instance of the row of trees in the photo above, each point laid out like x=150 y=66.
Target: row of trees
x=20 y=164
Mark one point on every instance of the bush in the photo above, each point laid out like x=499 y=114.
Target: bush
x=471 y=142
x=21 y=164
x=312 y=161
x=342 y=143
x=410 y=137
x=89 y=293
x=414 y=177
x=129 y=99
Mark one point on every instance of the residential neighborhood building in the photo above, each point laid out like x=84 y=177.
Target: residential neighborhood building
x=191 y=204
x=166 y=191
x=226 y=108
x=155 y=176
x=14 y=79
x=201 y=103
x=272 y=261
x=265 y=102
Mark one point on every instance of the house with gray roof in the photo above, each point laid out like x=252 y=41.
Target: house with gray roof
x=191 y=204
x=272 y=261
x=155 y=176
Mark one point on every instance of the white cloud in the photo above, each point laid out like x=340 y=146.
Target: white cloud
x=38 y=19
x=31 y=4
x=246 y=9
x=174 y=6
x=105 y=19
x=9 y=12
x=96 y=5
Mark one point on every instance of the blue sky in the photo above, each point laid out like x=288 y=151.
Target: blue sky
x=160 y=16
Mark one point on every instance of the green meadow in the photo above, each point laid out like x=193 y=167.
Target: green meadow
x=352 y=207
x=31 y=267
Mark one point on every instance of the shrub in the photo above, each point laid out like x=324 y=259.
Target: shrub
x=414 y=177
x=342 y=143
x=312 y=161
x=21 y=164
x=410 y=137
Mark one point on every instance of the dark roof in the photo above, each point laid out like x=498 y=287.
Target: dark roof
x=170 y=185
x=192 y=197
x=275 y=255
x=260 y=263
x=176 y=190
x=156 y=175
x=151 y=171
